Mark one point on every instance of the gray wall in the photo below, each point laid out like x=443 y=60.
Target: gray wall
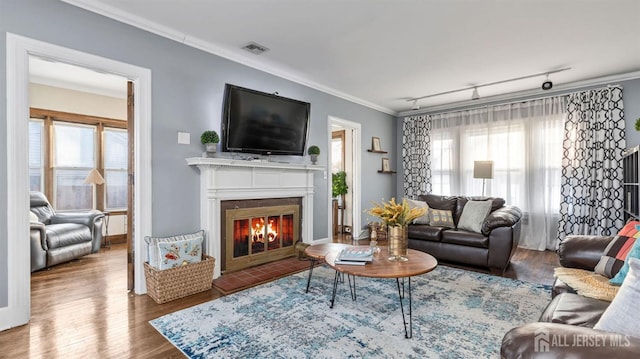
x=630 y=99
x=187 y=90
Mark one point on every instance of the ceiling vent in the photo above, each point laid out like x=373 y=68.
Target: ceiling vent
x=255 y=48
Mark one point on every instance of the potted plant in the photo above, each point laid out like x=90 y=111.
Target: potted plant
x=313 y=152
x=338 y=189
x=210 y=140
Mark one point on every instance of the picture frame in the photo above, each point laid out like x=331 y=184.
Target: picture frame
x=385 y=165
x=375 y=144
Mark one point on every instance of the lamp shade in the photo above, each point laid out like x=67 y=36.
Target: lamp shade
x=94 y=177
x=482 y=169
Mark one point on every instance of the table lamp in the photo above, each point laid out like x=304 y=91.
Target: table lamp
x=93 y=178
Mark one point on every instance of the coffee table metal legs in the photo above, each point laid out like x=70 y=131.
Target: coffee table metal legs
x=338 y=278
x=313 y=264
x=407 y=334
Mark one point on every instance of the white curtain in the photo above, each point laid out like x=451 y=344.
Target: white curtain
x=524 y=140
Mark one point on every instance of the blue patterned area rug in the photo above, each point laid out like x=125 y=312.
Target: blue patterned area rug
x=456 y=314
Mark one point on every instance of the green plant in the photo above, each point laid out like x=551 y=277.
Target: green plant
x=638 y=124
x=209 y=137
x=313 y=150
x=339 y=184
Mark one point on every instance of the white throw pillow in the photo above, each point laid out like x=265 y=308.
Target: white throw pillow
x=424 y=219
x=622 y=316
x=473 y=215
x=152 y=245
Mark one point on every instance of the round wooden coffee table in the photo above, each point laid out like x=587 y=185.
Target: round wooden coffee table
x=418 y=263
x=317 y=252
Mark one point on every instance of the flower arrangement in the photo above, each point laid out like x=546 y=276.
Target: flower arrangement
x=396 y=214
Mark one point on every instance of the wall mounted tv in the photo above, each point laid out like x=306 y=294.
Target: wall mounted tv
x=262 y=123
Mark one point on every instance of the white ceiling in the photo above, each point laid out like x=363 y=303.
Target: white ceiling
x=58 y=74
x=382 y=52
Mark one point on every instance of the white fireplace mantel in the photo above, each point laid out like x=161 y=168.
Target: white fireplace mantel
x=227 y=179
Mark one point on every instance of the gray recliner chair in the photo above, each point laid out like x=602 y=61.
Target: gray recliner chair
x=60 y=237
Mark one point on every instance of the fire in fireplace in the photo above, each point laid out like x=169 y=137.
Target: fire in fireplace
x=260 y=234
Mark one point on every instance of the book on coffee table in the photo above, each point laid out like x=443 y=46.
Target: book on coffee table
x=355 y=255
x=351 y=263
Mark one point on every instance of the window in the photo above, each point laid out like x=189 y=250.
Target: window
x=78 y=144
x=115 y=168
x=74 y=156
x=36 y=155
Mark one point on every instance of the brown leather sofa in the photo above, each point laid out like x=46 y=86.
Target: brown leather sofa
x=492 y=248
x=565 y=327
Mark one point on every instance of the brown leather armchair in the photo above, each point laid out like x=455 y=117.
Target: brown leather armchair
x=60 y=237
x=565 y=327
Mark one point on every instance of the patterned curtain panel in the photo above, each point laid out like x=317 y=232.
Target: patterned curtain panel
x=591 y=186
x=416 y=155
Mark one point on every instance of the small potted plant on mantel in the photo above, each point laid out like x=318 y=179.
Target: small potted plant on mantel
x=313 y=152
x=210 y=140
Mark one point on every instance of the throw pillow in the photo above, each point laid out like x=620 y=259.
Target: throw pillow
x=424 y=219
x=152 y=244
x=179 y=253
x=616 y=252
x=622 y=273
x=33 y=217
x=473 y=215
x=622 y=316
x=441 y=218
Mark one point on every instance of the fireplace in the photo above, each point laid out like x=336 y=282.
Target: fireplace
x=223 y=181
x=259 y=231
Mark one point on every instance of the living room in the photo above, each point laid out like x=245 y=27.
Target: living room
x=186 y=95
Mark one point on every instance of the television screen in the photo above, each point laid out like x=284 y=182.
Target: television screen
x=258 y=122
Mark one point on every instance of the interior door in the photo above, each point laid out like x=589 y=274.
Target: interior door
x=337 y=164
x=130 y=185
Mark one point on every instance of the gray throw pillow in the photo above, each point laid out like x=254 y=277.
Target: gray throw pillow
x=424 y=219
x=473 y=215
x=622 y=316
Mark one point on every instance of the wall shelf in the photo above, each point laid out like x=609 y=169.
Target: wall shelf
x=389 y=172
x=376 y=151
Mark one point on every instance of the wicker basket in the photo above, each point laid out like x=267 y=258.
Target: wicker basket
x=169 y=284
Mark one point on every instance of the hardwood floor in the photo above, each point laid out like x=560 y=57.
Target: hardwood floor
x=82 y=309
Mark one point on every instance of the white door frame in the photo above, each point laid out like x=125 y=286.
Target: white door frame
x=356 y=146
x=19 y=49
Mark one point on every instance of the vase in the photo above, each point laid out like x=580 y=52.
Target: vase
x=397 y=239
x=314 y=159
x=210 y=147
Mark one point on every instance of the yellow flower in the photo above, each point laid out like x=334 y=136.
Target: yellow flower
x=396 y=214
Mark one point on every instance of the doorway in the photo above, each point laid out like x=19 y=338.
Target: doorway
x=344 y=155
x=19 y=48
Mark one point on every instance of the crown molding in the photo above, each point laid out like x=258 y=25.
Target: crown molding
x=191 y=41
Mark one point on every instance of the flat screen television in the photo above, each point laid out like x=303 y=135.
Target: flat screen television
x=262 y=123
